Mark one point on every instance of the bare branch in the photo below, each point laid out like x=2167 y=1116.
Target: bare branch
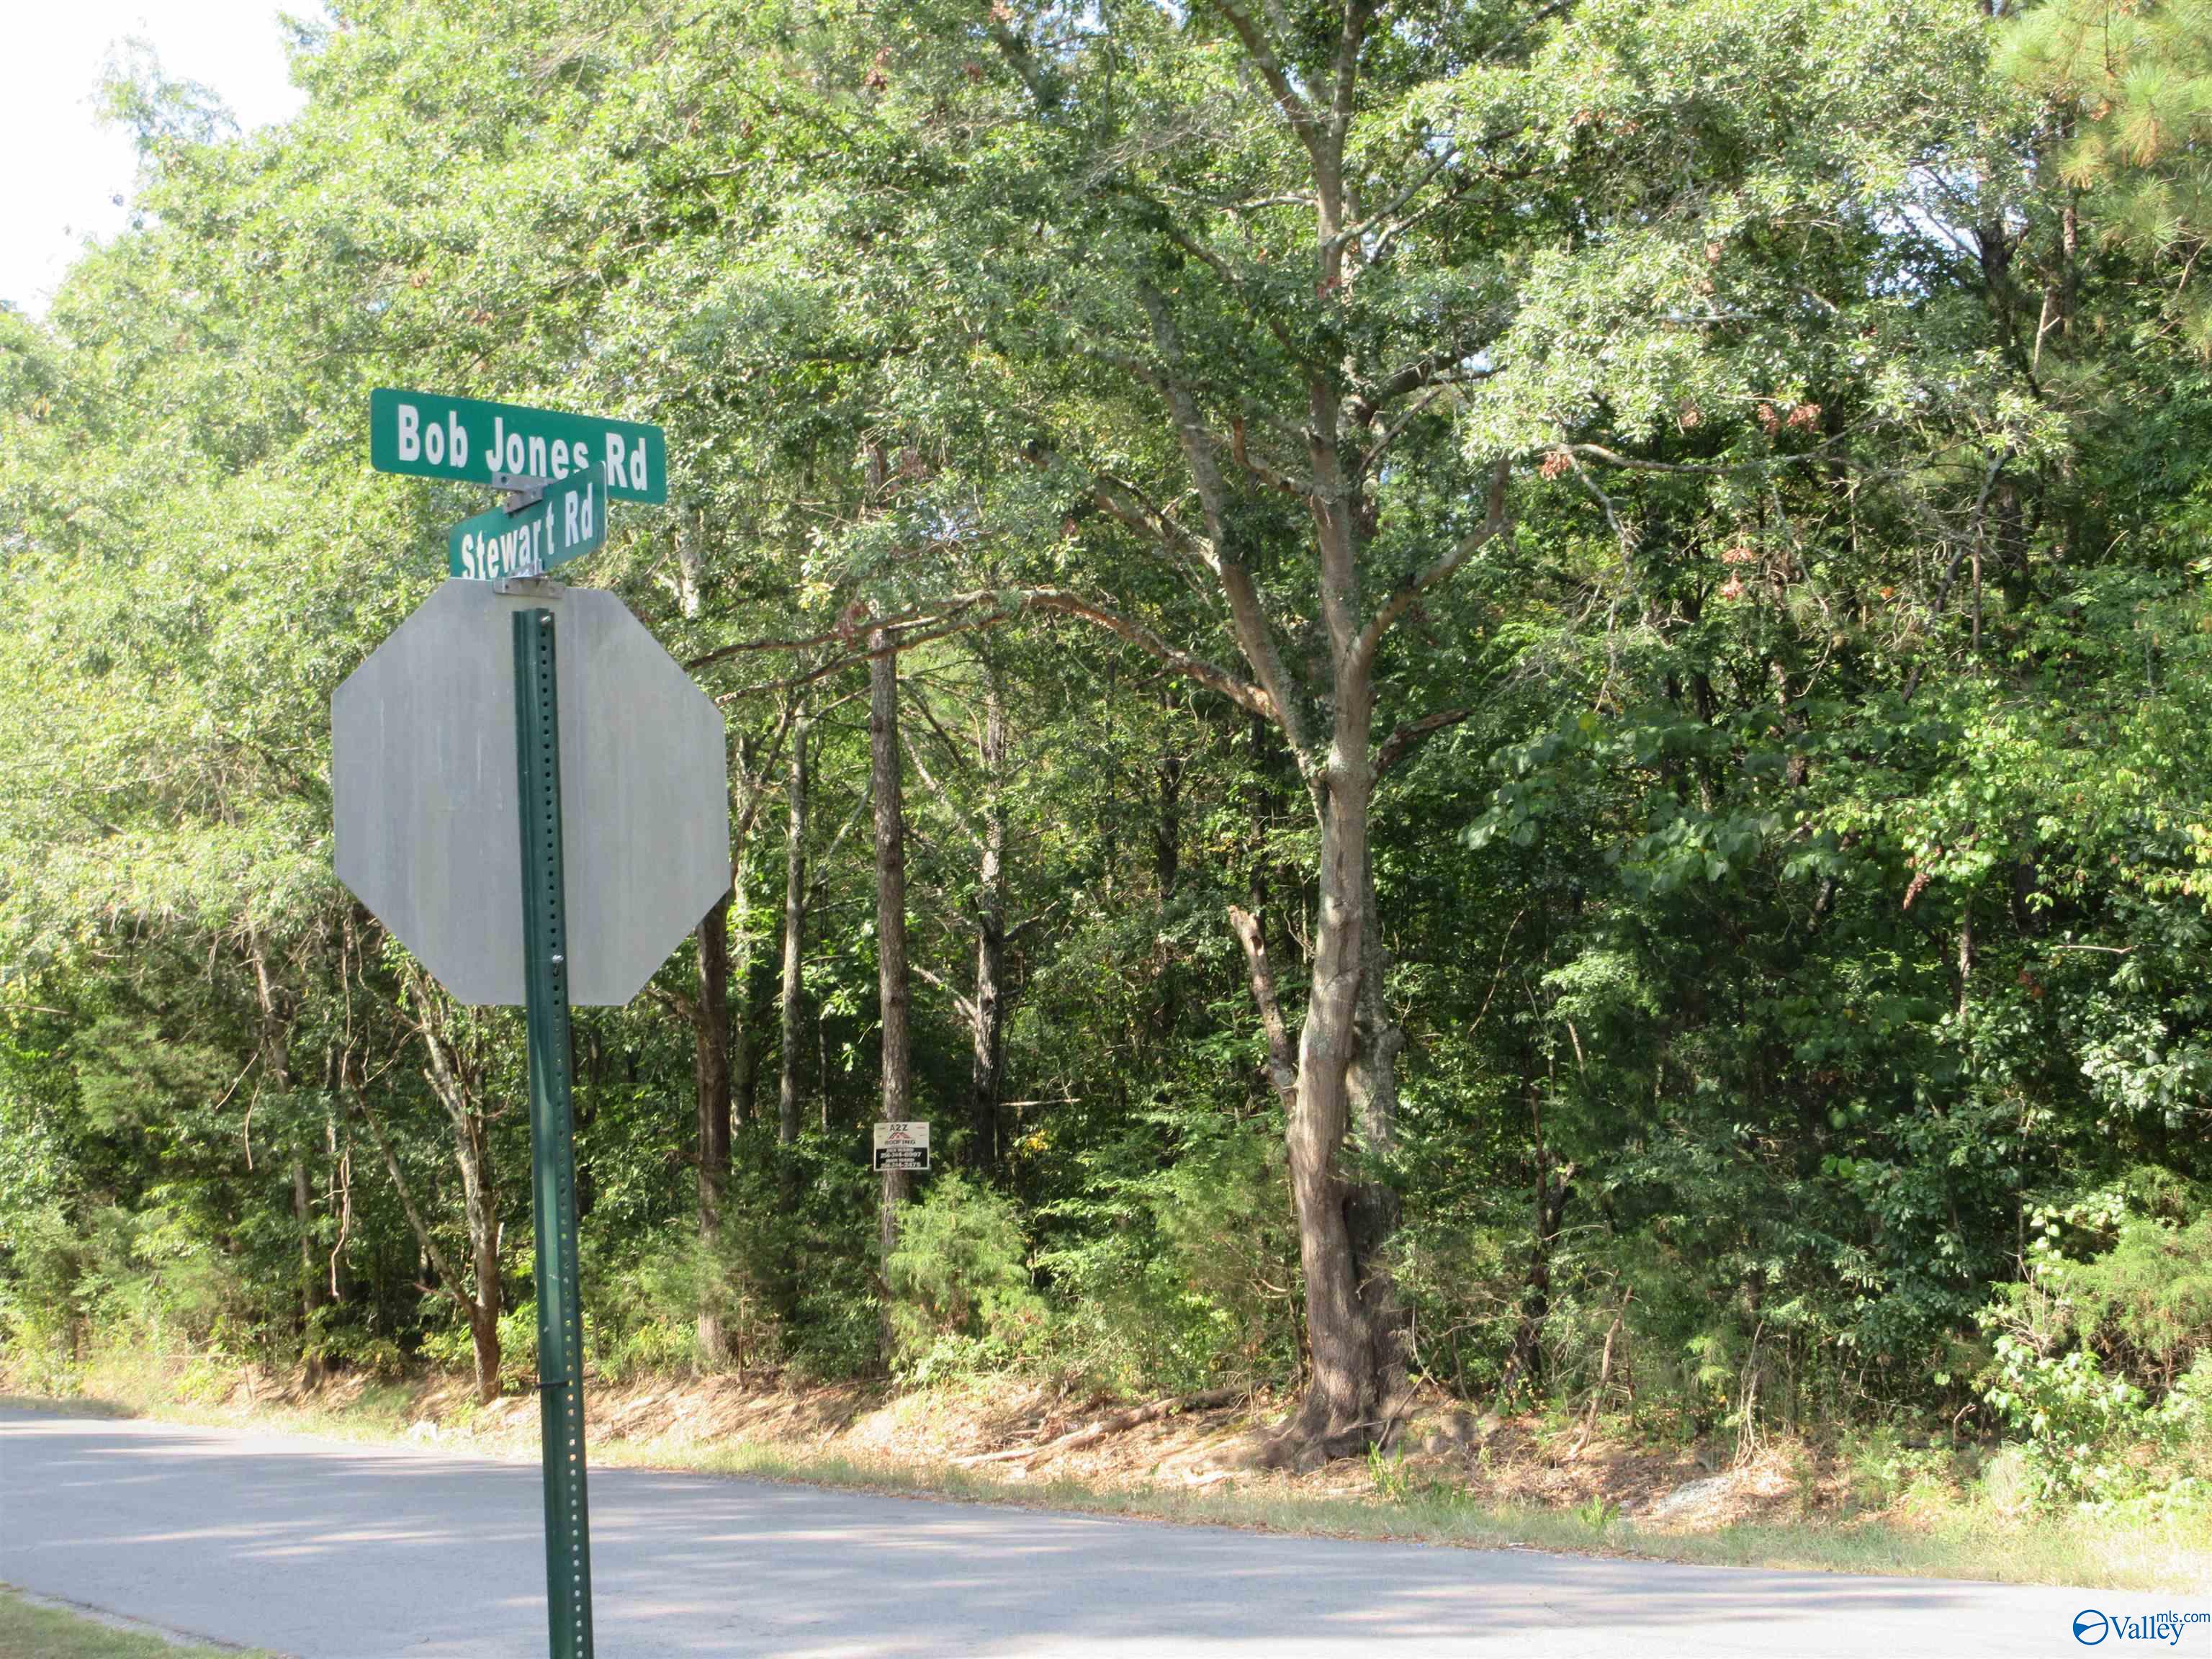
x=1345 y=70
x=1360 y=467
x=1352 y=233
x=424 y=1236
x=843 y=633
x=960 y=819
x=1634 y=464
x=1043 y=84
x=1261 y=51
x=1250 y=622
x=1239 y=691
x=965 y=1005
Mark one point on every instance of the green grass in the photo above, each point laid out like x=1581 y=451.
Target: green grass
x=30 y=1632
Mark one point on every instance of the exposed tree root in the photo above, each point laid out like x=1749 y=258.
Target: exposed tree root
x=1119 y=1423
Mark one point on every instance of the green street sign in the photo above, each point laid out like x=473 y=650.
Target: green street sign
x=568 y=522
x=426 y=436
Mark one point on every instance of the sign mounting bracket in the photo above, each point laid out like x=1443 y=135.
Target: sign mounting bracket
x=522 y=490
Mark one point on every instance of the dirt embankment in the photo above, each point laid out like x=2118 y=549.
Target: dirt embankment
x=1016 y=1433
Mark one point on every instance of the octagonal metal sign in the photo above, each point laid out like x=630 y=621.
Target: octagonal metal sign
x=424 y=773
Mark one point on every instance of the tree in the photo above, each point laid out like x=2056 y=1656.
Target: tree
x=2131 y=90
x=886 y=795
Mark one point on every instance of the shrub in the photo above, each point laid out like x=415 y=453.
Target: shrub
x=2102 y=1355
x=1188 y=1274
x=960 y=1271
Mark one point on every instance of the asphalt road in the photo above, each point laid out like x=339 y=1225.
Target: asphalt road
x=327 y=1550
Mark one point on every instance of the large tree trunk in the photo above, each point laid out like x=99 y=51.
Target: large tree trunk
x=988 y=1063
x=1352 y=1394
x=710 y=1019
x=886 y=784
x=1373 y=1206
x=794 y=938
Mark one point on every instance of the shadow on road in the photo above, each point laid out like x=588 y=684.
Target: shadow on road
x=335 y=1549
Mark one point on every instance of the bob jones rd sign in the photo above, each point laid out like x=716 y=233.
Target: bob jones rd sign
x=426 y=436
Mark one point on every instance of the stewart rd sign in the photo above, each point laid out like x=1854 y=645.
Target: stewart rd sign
x=426 y=436
x=568 y=522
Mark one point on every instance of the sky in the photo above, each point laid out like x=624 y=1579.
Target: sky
x=68 y=169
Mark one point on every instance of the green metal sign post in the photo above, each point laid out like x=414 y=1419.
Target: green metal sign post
x=552 y=1139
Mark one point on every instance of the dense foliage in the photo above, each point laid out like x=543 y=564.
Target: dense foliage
x=1775 y=435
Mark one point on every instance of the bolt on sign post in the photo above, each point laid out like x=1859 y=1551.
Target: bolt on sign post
x=614 y=794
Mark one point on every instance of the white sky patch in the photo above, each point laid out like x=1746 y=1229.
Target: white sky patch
x=72 y=174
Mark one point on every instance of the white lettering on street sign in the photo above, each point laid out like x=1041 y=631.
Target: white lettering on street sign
x=568 y=521
x=425 y=436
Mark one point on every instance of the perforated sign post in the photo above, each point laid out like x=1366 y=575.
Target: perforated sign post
x=616 y=793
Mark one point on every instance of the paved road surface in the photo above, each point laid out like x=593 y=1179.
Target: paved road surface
x=330 y=1551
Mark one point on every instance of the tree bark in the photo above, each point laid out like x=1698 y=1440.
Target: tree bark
x=886 y=786
x=1373 y=1204
x=1350 y=1398
x=277 y=1072
x=710 y=1019
x=457 y=1083
x=474 y=1156
x=745 y=1074
x=988 y=1060
x=484 y=1323
x=1553 y=1188
x=794 y=937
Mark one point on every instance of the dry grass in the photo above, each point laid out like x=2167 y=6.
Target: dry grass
x=1468 y=1481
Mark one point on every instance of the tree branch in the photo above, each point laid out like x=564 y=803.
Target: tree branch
x=424 y=1236
x=844 y=632
x=1250 y=622
x=1261 y=51
x=1402 y=596
x=965 y=1005
x=1255 y=699
x=1409 y=736
x=960 y=819
x=1282 y=1064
